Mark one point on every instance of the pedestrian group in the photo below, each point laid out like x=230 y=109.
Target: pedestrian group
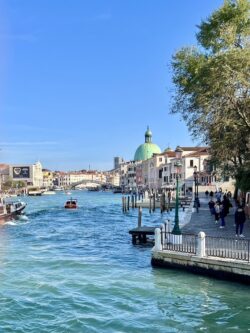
x=220 y=209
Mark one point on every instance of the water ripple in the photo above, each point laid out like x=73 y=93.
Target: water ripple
x=77 y=271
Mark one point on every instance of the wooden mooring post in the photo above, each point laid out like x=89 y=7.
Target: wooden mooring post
x=124 y=204
x=132 y=201
x=154 y=202
x=162 y=203
x=140 y=233
x=139 y=216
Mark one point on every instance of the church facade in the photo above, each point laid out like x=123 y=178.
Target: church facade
x=153 y=169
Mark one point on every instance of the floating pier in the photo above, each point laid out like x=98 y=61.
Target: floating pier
x=140 y=234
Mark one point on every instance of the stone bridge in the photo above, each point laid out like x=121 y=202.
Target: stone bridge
x=89 y=181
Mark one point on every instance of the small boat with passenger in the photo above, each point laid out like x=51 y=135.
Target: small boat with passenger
x=71 y=204
x=10 y=210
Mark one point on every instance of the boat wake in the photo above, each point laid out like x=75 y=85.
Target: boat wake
x=44 y=212
x=23 y=218
x=11 y=223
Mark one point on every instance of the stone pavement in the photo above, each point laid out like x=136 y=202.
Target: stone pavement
x=204 y=221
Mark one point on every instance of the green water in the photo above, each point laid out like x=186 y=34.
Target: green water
x=77 y=271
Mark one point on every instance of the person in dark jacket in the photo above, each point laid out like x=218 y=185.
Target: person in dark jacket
x=226 y=204
x=222 y=216
x=240 y=219
x=217 y=212
x=211 y=206
x=211 y=194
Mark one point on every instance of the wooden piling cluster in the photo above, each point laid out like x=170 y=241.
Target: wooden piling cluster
x=152 y=201
x=140 y=233
x=129 y=201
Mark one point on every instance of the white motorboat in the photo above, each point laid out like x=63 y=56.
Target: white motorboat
x=10 y=210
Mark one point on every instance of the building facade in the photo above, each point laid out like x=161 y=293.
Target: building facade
x=65 y=179
x=155 y=170
x=117 y=162
x=32 y=175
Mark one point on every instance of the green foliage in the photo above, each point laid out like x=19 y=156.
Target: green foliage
x=243 y=179
x=10 y=184
x=213 y=85
x=19 y=184
x=227 y=27
x=7 y=185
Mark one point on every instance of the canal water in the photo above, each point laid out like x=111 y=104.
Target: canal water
x=77 y=271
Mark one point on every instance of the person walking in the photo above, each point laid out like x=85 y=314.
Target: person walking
x=211 y=205
x=169 y=197
x=216 y=212
x=226 y=204
x=218 y=196
x=222 y=216
x=240 y=218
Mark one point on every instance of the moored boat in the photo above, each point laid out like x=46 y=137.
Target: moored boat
x=117 y=190
x=34 y=193
x=49 y=192
x=71 y=204
x=68 y=192
x=10 y=210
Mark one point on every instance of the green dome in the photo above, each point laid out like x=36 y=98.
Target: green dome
x=168 y=149
x=146 y=151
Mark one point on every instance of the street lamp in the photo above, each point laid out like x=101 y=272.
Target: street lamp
x=196 y=195
x=176 y=230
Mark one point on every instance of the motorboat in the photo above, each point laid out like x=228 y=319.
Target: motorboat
x=10 y=210
x=49 y=192
x=68 y=193
x=71 y=204
x=94 y=189
x=34 y=193
x=117 y=190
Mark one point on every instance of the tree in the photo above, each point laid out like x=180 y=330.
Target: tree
x=212 y=82
x=10 y=184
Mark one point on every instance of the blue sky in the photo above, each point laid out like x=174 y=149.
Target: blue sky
x=80 y=80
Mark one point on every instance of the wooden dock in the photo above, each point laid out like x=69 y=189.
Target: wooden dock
x=146 y=204
x=152 y=202
x=140 y=234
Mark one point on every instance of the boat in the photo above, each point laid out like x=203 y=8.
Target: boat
x=48 y=192
x=93 y=189
x=34 y=193
x=57 y=188
x=71 y=204
x=10 y=210
x=117 y=190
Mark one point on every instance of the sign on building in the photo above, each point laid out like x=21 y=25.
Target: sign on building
x=21 y=172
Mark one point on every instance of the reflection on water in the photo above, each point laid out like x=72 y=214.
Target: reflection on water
x=77 y=271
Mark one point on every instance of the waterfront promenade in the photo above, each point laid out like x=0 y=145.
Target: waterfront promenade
x=204 y=221
x=205 y=248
